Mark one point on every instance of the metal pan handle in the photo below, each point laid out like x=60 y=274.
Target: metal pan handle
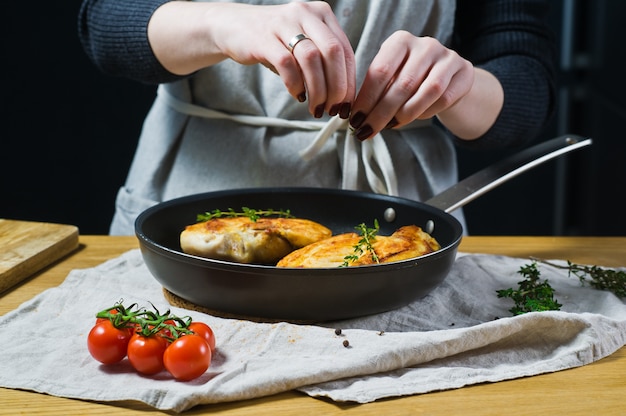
x=492 y=176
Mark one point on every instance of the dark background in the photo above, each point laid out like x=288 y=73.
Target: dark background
x=69 y=132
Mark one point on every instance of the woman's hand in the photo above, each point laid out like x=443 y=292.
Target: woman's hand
x=188 y=36
x=418 y=78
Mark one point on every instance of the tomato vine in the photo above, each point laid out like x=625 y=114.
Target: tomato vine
x=147 y=322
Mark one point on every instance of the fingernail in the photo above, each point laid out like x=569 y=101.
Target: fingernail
x=334 y=110
x=344 y=110
x=319 y=111
x=363 y=132
x=357 y=119
x=302 y=97
x=393 y=123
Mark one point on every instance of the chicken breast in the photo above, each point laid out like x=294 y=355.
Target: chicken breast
x=407 y=242
x=239 y=239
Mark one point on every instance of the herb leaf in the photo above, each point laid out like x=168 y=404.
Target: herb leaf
x=253 y=214
x=368 y=236
x=597 y=277
x=532 y=295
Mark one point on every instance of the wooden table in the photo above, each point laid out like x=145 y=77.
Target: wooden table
x=598 y=388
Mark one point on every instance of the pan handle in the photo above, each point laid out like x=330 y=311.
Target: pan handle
x=492 y=176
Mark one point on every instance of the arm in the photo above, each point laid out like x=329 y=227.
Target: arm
x=114 y=36
x=497 y=72
x=512 y=41
x=184 y=37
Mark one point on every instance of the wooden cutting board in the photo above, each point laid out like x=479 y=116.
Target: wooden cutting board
x=27 y=247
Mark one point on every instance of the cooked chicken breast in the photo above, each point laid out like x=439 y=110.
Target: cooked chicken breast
x=407 y=242
x=242 y=240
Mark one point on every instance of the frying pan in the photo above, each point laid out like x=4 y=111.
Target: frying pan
x=270 y=293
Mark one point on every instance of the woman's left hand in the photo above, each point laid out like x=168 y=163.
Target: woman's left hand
x=412 y=78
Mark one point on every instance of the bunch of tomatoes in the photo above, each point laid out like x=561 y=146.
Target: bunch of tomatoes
x=152 y=341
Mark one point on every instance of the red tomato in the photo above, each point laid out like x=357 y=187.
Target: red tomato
x=188 y=357
x=146 y=353
x=107 y=343
x=205 y=331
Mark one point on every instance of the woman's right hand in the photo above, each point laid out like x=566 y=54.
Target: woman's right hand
x=188 y=36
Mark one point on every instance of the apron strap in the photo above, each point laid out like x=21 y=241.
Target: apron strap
x=377 y=162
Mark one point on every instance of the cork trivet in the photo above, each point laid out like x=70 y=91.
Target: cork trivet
x=179 y=302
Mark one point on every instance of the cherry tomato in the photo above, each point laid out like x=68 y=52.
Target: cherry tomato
x=188 y=357
x=205 y=331
x=146 y=353
x=107 y=343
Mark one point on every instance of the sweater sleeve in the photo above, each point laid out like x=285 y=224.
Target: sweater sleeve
x=114 y=36
x=512 y=40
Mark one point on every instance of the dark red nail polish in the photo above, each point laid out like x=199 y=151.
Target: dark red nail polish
x=363 y=132
x=392 y=123
x=357 y=119
x=334 y=110
x=319 y=111
x=344 y=110
x=302 y=97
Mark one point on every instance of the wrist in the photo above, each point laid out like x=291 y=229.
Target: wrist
x=474 y=114
x=180 y=37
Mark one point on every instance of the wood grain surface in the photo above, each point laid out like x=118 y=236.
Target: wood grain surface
x=27 y=247
x=597 y=388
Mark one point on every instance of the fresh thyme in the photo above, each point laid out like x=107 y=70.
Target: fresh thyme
x=533 y=295
x=368 y=236
x=597 y=277
x=253 y=214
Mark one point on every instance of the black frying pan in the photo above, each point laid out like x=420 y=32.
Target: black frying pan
x=267 y=292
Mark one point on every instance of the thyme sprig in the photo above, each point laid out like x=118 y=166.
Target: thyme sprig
x=368 y=236
x=597 y=277
x=533 y=295
x=253 y=214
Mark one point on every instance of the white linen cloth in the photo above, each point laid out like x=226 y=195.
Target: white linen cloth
x=449 y=339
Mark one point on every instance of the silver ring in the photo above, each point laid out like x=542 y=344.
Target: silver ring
x=295 y=40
